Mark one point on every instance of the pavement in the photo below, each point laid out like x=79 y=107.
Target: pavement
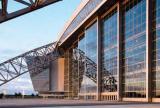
x=54 y=103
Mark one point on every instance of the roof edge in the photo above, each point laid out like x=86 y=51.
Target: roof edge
x=104 y=1
x=73 y=16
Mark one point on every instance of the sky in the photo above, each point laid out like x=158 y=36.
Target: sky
x=30 y=31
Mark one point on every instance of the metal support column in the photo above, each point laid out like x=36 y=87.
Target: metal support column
x=99 y=58
x=119 y=50
x=148 y=50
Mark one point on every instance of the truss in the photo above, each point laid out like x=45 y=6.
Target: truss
x=33 y=61
x=29 y=6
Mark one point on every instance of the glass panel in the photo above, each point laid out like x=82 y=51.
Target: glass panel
x=109 y=53
x=87 y=48
x=71 y=81
x=81 y=66
x=81 y=51
x=88 y=8
x=156 y=48
x=134 y=49
x=66 y=74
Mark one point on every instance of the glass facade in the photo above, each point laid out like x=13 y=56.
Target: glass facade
x=87 y=9
x=134 y=49
x=71 y=82
x=81 y=58
x=88 y=51
x=81 y=66
x=109 y=52
x=156 y=48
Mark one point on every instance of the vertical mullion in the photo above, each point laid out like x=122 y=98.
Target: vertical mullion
x=119 y=50
x=148 y=50
x=99 y=58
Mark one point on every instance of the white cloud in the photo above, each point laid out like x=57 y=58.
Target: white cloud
x=20 y=84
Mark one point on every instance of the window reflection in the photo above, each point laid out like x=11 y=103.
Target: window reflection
x=156 y=48
x=81 y=66
x=87 y=47
x=134 y=48
x=109 y=53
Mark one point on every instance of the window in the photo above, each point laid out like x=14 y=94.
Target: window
x=134 y=51
x=109 y=52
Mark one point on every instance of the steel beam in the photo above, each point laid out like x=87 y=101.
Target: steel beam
x=4 y=7
x=31 y=6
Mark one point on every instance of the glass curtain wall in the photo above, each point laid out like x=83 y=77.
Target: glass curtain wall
x=74 y=73
x=81 y=61
x=134 y=49
x=87 y=47
x=109 y=52
x=66 y=74
x=81 y=66
x=71 y=81
x=156 y=48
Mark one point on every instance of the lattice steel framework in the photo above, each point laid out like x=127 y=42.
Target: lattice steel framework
x=33 y=61
x=29 y=6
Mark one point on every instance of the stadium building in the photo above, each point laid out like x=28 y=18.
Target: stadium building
x=111 y=52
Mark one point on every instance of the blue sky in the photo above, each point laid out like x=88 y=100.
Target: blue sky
x=30 y=31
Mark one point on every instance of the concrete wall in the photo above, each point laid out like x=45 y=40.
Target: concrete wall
x=41 y=81
x=57 y=75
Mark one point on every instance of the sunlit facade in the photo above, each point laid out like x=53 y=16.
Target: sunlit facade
x=111 y=51
x=134 y=49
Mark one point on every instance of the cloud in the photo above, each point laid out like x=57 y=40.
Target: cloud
x=21 y=84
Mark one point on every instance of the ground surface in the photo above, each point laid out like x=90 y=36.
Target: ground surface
x=52 y=103
x=116 y=106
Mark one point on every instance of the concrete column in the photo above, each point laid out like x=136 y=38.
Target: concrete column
x=148 y=50
x=119 y=50
x=99 y=58
x=50 y=76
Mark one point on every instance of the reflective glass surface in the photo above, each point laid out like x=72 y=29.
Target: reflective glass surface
x=88 y=8
x=71 y=81
x=88 y=47
x=81 y=66
x=109 y=53
x=156 y=48
x=134 y=49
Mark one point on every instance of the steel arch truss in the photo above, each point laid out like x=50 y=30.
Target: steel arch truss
x=33 y=61
x=27 y=6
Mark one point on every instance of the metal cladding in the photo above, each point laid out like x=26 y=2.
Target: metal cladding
x=29 y=6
